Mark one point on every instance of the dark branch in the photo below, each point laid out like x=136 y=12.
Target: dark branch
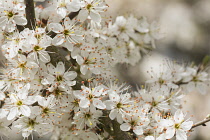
x=113 y=128
x=30 y=14
x=73 y=14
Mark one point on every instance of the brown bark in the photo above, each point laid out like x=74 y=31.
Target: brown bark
x=30 y=14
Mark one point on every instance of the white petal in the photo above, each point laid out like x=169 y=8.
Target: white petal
x=95 y=16
x=62 y=11
x=99 y=104
x=82 y=16
x=10 y=27
x=60 y=68
x=170 y=132
x=179 y=116
x=25 y=134
x=109 y=104
x=25 y=110
x=56 y=27
x=138 y=130
x=68 y=45
x=74 y=6
x=71 y=83
x=166 y=122
x=49 y=79
x=149 y=138
x=50 y=101
x=79 y=59
x=97 y=91
x=84 y=103
x=20 y=20
x=202 y=88
x=68 y=22
x=187 y=125
x=95 y=71
x=113 y=114
x=181 y=135
x=3 y=21
x=58 y=39
x=71 y=75
x=125 y=127
x=83 y=69
x=13 y=112
x=44 y=56
x=41 y=100
x=79 y=94
x=114 y=96
x=119 y=118
x=32 y=64
x=3 y=113
x=2 y=95
x=51 y=68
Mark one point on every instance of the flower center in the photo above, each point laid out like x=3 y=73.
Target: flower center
x=45 y=110
x=119 y=105
x=22 y=65
x=133 y=123
x=19 y=103
x=17 y=40
x=88 y=7
x=62 y=4
x=87 y=116
x=154 y=103
x=31 y=123
x=66 y=32
x=59 y=78
x=109 y=50
x=195 y=79
x=177 y=126
x=76 y=102
x=10 y=14
x=122 y=29
x=161 y=81
x=58 y=92
x=90 y=96
x=37 y=48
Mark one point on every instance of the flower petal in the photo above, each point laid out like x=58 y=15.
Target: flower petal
x=84 y=103
x=138 y=130
x=13 y=112
x=25 y=110
x=82 y=16
x=125 y=127
x=20 y=20
x=95 y=16
x=99 y=104
x=58 y=39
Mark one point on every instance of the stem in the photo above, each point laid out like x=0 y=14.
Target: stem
x=113 y=128
x=203 y=123
x=30 y=14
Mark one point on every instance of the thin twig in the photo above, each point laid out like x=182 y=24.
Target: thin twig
x=203 y=123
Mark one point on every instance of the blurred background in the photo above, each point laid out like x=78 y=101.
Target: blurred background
x=186 y=28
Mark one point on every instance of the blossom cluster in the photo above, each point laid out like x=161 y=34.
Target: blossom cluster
x=71 y=97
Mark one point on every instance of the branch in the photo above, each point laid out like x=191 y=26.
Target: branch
x=203 y=123
x=30 y=14
x=113 y=128
x=73 y=14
